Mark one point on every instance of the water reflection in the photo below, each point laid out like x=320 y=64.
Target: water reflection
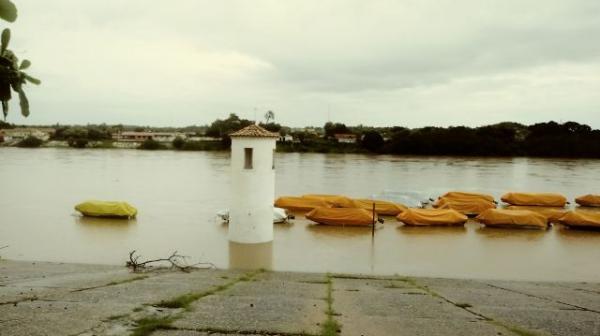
x=341 y=231
x=251 y=256
x=511 y=234
x=103 y=223
x=431 y=230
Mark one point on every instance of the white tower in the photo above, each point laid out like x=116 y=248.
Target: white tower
x=252 y=185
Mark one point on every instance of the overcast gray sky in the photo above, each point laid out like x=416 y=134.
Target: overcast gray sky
x=411 y=63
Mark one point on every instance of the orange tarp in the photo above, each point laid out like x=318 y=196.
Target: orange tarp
x=300 y=203
x=467 y=206
x=336 y=201
x=384 y=208
x=542 y=199
x=581 y=219
x=588 y=200
x=341 y=216
x=513 y=218
x=551 y=213
x=424 y=217
x=463 y=195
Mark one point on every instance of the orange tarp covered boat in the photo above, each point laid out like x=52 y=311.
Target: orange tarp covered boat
x=581 y=219
x=463 y=195
x=513 y=219
x=384 y=208
x=337 y=201
x=553 y=214
x=426 y=217
x=541 y=199
x=467 y=206
x=300 y=203
x=342 y=216
x=588 y=200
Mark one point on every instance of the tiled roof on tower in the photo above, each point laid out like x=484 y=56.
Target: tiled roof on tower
x=254 y=131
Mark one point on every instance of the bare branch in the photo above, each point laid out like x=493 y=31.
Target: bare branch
x=3 y=247
x=175 y=260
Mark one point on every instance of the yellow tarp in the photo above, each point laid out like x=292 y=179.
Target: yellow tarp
x=551 y=213
x=581 y=219
x=384 y=208
x=541 y=199
x=467 y=206
x=336 y=201
x=300 y=203
x=341 y=216
x=463 y=195
x=424 y=217
x=588 y=200
x=513 y=218
x=106 y=209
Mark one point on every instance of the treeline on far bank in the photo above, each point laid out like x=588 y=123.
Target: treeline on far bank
x=548 y=139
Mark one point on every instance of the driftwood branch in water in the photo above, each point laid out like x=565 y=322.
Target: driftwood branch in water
x=175 y=260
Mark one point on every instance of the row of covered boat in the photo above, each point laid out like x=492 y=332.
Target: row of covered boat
x=522 y=210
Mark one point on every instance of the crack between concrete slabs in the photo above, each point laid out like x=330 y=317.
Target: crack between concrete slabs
x=580 y=308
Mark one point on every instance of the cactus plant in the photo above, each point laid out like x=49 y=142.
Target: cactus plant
x=12 y=76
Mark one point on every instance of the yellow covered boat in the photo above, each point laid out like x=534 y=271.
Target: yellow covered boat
x=538 y=199
x=553 y=214
x=428 y=217
x=384 y=208
x=588 y=200
x=336 y=201
x=342 y=216
x=463 y=195
x=523 y=219
x=581 y=219
x=106 y=209
x=467 y=206
x=300 y=203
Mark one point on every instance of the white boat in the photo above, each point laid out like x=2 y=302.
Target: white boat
x=279 y=215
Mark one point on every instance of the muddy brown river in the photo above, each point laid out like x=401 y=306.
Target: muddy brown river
x=178 y=194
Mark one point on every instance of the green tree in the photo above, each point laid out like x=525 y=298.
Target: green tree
x=30 y=142
x=150 y=144
x=372 y=141
x=332 y=129
x=222 y=128
x=178 y=143
x=270 y=115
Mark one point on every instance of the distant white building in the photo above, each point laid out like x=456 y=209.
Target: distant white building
x=345 y=138
x=286 y=138
x=23 y=132
x=132 y=136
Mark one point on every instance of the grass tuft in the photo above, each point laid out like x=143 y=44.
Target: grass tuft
x=330 y=327
x=148 y=325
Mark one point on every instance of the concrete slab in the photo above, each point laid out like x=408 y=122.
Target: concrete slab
x=268 y=304
x=385 y=307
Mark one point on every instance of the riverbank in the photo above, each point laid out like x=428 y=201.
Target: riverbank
x=39 y=298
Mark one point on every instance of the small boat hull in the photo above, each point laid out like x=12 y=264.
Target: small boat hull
x=514 y=219
x=107 y=209
x=342 y=216
x=432 y=217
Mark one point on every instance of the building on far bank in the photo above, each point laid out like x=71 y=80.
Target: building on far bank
x=20 y=133
x=286 y=138
x=132 y=136
x=345 y=138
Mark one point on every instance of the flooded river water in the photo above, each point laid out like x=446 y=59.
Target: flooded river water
x=178 y=194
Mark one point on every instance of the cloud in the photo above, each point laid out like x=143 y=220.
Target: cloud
x=408 y=62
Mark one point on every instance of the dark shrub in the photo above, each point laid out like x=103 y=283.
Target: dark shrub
x=30 y=142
